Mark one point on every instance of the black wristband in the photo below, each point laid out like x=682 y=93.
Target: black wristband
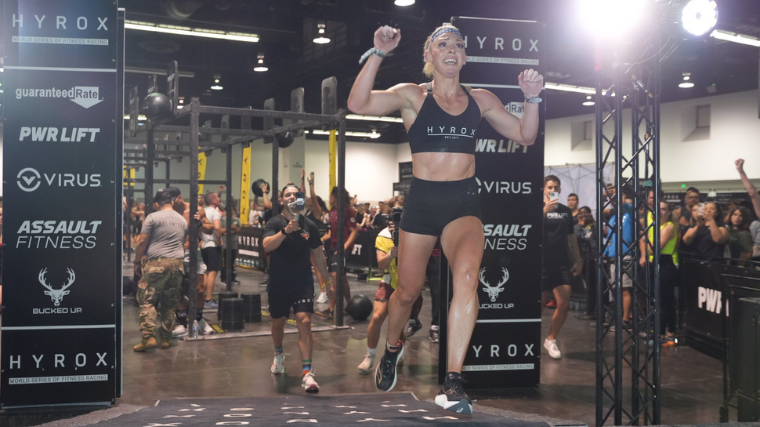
x=284 y=232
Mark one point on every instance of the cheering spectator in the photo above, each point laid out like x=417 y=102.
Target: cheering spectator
x=668 y=271
x=739 y=237
x=572 y=203
x=706 y=235
x=586 y=233
x=753 y=194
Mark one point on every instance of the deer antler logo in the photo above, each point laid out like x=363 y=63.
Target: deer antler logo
x=56 y=294
x=493 y=291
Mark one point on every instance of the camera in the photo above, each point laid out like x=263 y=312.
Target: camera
x=396 y=215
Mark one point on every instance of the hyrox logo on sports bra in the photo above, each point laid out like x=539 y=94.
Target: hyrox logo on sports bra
x=452 y=132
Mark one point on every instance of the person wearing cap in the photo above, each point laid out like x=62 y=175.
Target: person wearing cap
x=159 y=255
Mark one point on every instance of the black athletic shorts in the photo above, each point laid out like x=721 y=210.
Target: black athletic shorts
x=334 y=260
x=550 y=279
x=280 y=302
x=431 y=205
x=212 y=257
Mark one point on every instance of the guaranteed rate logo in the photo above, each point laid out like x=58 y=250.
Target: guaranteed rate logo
x=85 y=96
x=54 y=234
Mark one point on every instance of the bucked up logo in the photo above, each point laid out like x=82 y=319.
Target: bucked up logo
x=29 y=179
x=85 y=96
x=494 y=291
x=56 y=295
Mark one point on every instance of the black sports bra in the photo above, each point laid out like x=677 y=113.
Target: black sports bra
x=437 y=131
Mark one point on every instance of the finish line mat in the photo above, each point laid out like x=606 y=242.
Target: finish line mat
x=386 y=409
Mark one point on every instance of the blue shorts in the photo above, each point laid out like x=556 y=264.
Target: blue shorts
x=431 y=205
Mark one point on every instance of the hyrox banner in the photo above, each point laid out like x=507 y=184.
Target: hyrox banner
x=505 y=346
x=62 y=197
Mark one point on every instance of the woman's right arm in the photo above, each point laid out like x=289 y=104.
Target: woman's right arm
x=364 y=100
x=753 y=195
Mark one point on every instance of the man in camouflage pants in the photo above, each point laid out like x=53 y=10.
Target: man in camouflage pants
x=160 y=289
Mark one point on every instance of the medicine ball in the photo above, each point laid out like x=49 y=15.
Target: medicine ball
x=156 y=105
x=256 y=187
x=359 y=307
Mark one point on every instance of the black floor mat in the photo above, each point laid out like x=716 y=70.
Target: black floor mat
x=388 y=409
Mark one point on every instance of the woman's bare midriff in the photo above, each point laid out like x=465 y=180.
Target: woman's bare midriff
x=443 y=166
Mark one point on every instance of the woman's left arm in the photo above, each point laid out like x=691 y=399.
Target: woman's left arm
x=520 y=130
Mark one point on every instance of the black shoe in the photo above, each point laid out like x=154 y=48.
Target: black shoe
x=435 y=336
x=453 y=397
x=385 y=374
x=412 y=327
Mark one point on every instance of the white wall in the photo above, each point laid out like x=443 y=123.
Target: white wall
x=371 y=169
x=734 y=132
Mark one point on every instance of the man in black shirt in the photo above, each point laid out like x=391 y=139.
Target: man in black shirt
x=561 y=258
x=291 y=242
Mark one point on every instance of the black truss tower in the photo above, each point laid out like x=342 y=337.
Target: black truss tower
x=628 y=360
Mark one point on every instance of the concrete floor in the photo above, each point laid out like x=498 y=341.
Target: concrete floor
x=239 y=367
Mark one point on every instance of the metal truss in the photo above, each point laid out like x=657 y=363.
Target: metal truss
x=628 y=359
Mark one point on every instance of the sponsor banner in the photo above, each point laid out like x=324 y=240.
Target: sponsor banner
x=245 y=185
x=499 y=358
x=509 y=178
x=62 y=163
x=53 y=33
x=57 y=366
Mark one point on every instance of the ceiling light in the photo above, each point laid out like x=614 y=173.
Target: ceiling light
x=193 y=32
x=321 y=39
x=140 y=117
x=403 y=2
x=375 y=118
x=373 y=134
x=686 y=83
x=736 y=38
x=572 y=88
x=157 y=71
x=260 y=66
x=217 y=83
x=698 y=17
x=589 y=101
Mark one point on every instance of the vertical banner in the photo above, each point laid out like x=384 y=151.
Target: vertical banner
x=505 y=347
x=201 y=170
x=245 y=184
x=63 y=110
x=333 y=150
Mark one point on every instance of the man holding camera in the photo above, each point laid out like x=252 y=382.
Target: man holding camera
x=561 y=257
x=292 y=240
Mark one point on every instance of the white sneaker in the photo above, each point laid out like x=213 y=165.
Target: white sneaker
x=179 y=331
x=366 y=366
x=322 y=298
x=278 y=364
x=309 y=384
x=551 y=347
x=204 y=328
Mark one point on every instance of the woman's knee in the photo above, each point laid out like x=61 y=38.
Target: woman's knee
x=466 y=280
x=405 y=296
